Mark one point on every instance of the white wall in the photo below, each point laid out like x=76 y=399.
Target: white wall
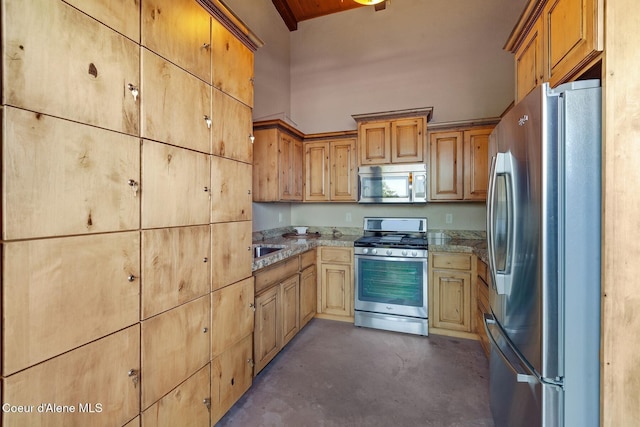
x=445 y=54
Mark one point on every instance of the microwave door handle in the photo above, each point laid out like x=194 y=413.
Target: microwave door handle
x=504 y=165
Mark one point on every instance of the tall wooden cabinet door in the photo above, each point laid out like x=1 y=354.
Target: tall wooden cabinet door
x=451 y=300
x=175 y=267
x=446 y=165
x=232 y=316
x=91 y=84
x=62 y=293
x=192 y=50
x=175 y=344
x=232 y=64
x=122 y=16
x=375 y=143
x=290 y=289
x=267 y=335
x=288 y=168
x=266 y=165
x=308 y=294
x=574 y=36
x=176 y=106
x=231 y=377
x=407 y=140
x=185 y=405
x=336 y=295
x=175 y=186
x=101 y=376
x=343 y=170
x=230 y=190
x=529 y=62
x=316 y=171
x=476 y=164
x=96 y=177
x=231 y=256
x=232 y=128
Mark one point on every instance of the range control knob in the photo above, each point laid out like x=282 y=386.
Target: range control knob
x=389 y=252
x=365 y=250
x=414 y=253
x=374 y=251
x=404 y=253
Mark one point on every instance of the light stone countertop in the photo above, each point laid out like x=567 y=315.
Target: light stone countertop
x=439 y=241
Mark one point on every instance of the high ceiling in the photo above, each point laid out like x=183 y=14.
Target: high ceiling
x=294 y=11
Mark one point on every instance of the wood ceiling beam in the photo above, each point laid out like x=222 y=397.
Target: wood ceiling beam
x=287 y=15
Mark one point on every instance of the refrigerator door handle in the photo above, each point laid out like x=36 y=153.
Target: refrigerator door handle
x=503 y=278
x=507 y=353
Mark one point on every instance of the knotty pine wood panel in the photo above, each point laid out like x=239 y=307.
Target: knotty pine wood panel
x=121 y=15
x=63 y=178
x=231 y=129
x=81 y=288
x=232 y=317
x=176 y=106
x=231 y=198
x=91 y=84
x=175 y=267
x=105 y=372
x=231 y=253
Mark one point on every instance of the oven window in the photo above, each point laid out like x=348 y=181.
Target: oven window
x=391 y=282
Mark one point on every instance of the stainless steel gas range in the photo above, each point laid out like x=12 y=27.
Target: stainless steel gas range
x=391 y=275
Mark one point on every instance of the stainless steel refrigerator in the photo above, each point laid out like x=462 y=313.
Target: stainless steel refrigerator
x=543 y=235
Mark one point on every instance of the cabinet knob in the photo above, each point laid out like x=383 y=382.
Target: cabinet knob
x=207 y=402
x=252 y=306
x=252 y=138
x=134 y=91
x=251 y=363
x=208 y=121
x=205 y=45
x=206 y=189
x=248 y=191
x=133 y=374
x=205 y=330
x=131 y=278
x=134 y=186
x=205 y=259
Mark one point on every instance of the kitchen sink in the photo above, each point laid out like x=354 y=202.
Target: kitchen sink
x=260 y=251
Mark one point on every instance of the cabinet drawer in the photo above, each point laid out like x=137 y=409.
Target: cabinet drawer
x=308 y=258
x=342 y=255
x=62 y=293
x=276 y=274
x=451 y=261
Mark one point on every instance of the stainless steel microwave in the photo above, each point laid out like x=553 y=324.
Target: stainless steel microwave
x=401 y=183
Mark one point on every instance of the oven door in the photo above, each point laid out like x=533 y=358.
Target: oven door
x=391 y=285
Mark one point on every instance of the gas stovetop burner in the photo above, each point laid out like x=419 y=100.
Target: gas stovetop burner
x=410 y=233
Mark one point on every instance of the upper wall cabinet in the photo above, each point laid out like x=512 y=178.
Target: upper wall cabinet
x=330 y=170
x=232 y=64
x=192 y=50
x=555 y=40
x=277 y=164
x=94 y=83
x=392 y=137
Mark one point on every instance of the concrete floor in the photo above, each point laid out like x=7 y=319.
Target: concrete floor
x=336 y=374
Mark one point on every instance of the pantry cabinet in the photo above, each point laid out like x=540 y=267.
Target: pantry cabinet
x=277 y=165
x=188 y=404
x=176 y=106
x=451 y=294
x=335 y=293
x=230 y=190
x=330 y=170
x=93 y=84
x=232 y=128
x=232 y=316
x=124 y=17
x=459 y=162
x=231 y=255
x=192 y=49
x=555 y=41
x=102 y=375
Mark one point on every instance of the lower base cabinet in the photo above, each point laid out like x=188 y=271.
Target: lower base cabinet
x=451 y=294
x=267 y=340
x=335 y=293
x=308 y=294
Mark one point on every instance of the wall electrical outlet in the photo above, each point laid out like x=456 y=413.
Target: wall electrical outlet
x=448 y=218
x=348 y=217
x=280 y=217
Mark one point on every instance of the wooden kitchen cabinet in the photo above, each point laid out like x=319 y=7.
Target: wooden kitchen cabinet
x=290 y=289
x=90 y=85
x=482 y=307
x=232 y=64
x=176 y=186
x=278 y=160
x=231 y=253
x=308 y=294
x=175 y=267
x=330 y=170
x=230 y=190
x=459 y=163
x=451 y=294
x=232 y=316
x=555 y=41
x=105 y=372
x=231 y=128
x=267 y=334
x=122 y=17
x=176 y=106
x=184 y=405
x=192 y=49
x=392 y=137
x=335 y=293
